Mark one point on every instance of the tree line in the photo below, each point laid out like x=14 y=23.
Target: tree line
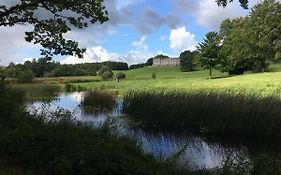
x=44 y=67
x=242 y=44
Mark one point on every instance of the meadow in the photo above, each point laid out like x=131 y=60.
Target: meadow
x=171 y=79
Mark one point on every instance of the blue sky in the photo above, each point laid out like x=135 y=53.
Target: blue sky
x=136 y=31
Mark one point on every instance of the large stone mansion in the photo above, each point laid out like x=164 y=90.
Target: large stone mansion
x=166 y=62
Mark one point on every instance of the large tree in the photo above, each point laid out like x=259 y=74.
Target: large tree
x=209 y=52
x=237 y=47
x=254 y=41
x=61 y=16
x=265 y=28
x=186 y=60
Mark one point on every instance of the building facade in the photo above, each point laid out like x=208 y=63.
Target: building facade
x=166 y=62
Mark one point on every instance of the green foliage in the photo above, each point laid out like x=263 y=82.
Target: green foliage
x=49 y=32
x=98 y=101
x=186 y=60
x=161 y=56
x=153 y=75
x=3 y=74
x=243 y=3
x=136 y=66
x=209 y=52
x=107 y=75
x=265 y=31
x=212 y=110
x=26 y=76
x=104 y=69
x=36 y=91
x=149 y=62
x=252 y=42
x=120 y=75
x=260 y=165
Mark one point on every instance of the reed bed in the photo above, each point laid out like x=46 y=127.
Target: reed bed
x=98 y=101
x=209 y=111
x=38 y=91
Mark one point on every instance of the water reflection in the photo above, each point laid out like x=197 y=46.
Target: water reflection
x=191 y=150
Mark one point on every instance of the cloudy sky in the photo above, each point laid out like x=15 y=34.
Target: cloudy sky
x=136 y=31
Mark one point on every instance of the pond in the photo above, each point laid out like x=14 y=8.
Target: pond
x=189 y=149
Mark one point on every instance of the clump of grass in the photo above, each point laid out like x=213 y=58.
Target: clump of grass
x=208 y=110
x=38 y=91
x=98 y=101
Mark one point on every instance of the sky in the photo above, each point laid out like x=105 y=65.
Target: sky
x=136 y=30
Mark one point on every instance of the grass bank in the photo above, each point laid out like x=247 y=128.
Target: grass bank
x=209 y=111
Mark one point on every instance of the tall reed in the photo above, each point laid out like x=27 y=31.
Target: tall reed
x=212 y=111
x=98 y=101
x=38 y=91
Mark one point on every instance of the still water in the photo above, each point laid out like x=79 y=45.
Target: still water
x=191 y=150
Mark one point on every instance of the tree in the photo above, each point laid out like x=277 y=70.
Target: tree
x=26 y=76
x=161 y=56
x=120 y=75
x=107 y=75
x=104 y=69
x=209 y=52
x=237 y=47
x=186 y=60
x=254 y=41
x=244 y=3
x=48 y=32
x=264 y=25
x=149 y=62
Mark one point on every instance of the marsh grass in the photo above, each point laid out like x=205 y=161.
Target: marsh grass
x=38 y=91
x=98 y=101
x=209 y=111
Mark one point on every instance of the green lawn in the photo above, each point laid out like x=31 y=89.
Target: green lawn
x=171 y=78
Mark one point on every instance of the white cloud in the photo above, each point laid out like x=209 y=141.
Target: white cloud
x=13 y=47
x=140 y=42
x=99 y=54
x=211 y=16
x=182 y=40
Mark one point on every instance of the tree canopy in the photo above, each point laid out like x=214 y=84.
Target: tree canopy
x=49 y=29
x=209 y=52
x=244 y=3
x=254 y=41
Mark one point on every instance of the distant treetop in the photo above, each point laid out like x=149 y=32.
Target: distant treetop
x=161 y=56
x=244 y=3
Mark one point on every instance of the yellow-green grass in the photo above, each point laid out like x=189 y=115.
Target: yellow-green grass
x=66 y=79
x=171 y=78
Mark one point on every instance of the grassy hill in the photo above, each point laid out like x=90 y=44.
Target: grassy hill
x=171 y=78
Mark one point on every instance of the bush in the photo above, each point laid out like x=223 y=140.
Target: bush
x=104 y=69
x=120 y=75
x=107 y=75
x=153 y=75
x=25 y=76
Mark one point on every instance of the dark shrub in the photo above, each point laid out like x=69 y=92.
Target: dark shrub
x=26 y=76
x=104 y=69
x=120 y=75
x=107 y=75
x=153 y=75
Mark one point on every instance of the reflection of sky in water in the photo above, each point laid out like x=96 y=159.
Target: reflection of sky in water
x=196 y=152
